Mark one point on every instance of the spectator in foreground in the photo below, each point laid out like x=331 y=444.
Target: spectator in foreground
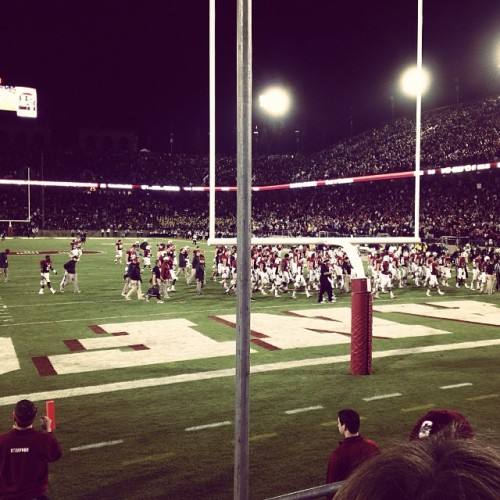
x=439 y=467
x=352 y=451
x=25 y=454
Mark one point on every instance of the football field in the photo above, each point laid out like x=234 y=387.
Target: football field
x=145 y=392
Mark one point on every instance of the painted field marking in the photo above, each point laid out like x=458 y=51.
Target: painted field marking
x=455 y=386
x=484 y=396
x=332 y=423
x=262 y=437
x=150 y=458
x=418 y=408
x=208 y=426
x=302 y=410
x=96 y=445
x=230 y=372
x=10 y=362
x=383 y=396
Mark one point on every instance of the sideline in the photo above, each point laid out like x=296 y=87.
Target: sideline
x=230 y=372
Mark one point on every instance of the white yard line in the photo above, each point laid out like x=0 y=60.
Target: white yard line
x=96 y=445
x=208 y=426
x=302 y=410
x=455 y=386
x=383 y=396
x=230 y=372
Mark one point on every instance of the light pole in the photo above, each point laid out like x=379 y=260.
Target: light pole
x=415 y=82
x=171 y=142
x=275 y=102
x=255 y=134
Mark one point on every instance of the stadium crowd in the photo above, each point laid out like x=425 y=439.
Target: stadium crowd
x=455 y=205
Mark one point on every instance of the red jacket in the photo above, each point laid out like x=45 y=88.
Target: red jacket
x=348 y=455
x=24 y=458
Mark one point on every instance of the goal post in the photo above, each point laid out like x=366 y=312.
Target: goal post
x=27 y=219
x=244 y=167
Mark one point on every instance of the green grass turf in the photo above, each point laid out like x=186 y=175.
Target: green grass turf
x=154 y=455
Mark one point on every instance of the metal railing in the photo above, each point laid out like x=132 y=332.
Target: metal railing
x=323 y=491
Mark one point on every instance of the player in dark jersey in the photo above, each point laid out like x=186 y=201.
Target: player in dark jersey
x=45 y=269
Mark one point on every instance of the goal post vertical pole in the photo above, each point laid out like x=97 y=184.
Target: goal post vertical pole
x=211 y=136
x=243 y=237
x=418 y=118
x=28 y=215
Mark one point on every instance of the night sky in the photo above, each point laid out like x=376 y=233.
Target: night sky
x=144 y=65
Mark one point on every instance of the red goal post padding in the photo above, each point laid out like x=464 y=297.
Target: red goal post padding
x=361 y=327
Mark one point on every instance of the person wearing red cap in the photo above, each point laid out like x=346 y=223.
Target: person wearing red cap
x=439 y=467
x=439 y=420
x=25 y=454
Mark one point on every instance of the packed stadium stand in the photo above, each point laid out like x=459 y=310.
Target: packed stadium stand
x=460 y=205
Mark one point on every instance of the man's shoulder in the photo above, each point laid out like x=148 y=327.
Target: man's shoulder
x=359 y=440
x=14 y=434
x=6 y=435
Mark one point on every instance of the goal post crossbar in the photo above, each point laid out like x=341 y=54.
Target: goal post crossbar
x=350 y=245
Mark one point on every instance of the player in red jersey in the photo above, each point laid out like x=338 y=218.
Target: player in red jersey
x=45 y=269
x=461 y=264
x=119 y=252
x=386 y=276
x=435 y=274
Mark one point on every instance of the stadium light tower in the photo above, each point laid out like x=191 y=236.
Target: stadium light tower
x=274 y=106
x=413 y=81
x=275 y=101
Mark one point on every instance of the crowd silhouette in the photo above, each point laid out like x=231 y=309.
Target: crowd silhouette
x=462 y=204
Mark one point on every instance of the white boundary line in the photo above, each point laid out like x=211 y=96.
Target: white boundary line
x=230 y=372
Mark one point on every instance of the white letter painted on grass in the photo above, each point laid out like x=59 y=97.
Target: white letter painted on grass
x=160 y=341
x=325 y=326
x=10 y=362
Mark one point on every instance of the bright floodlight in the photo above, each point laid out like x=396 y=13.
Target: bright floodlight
x=413 y=80
x=275 y=101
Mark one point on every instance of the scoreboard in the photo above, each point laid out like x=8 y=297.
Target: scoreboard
x=22 y=100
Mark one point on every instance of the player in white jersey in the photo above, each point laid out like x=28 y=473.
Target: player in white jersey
x=445 y=266
x=300 y=280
